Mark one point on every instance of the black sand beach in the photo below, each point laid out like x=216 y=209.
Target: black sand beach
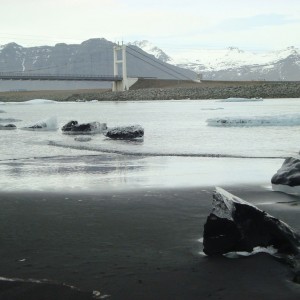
x=133 y=245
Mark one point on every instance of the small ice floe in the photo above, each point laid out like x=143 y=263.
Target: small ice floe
x=212 y=108
x=287 y=178
x=49 y=124
x=9 y=120
x=125 y=133
x=83 y=139
x=22 y=259
x=235 y=225
x=269 y=250
x=73 y=127
x=39 y=101
x=280 y=120
x=8 y=127
x=233 y=99
x=97 y=295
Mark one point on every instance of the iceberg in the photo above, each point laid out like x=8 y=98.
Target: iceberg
x=49 y=124
x=280 y=120
x=39 y=101
x=241 y=99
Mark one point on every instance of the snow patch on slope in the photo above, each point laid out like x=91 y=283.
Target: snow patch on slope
x=208 y=60
x=153 y=50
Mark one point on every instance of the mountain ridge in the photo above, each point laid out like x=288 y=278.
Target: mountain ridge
x=233 y=63
x=147 y=60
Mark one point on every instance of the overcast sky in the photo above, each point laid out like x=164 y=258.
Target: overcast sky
x=173 y=25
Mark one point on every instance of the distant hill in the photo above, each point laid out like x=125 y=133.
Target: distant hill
x=233 y=63
x=91 y=57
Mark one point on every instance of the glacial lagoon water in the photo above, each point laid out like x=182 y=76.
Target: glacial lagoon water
x=181 y=148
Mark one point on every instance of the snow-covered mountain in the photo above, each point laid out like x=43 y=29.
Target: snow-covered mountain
x=235 y=64
x=95 y=56
x=153 y=50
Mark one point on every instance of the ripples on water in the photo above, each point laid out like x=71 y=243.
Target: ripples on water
x=176 y=136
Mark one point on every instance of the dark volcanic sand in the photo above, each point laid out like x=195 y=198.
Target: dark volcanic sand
x=134 y=245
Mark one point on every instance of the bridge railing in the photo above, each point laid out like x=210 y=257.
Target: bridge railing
x=32 y=76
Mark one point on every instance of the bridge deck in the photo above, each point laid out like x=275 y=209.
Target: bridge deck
x=20 y=76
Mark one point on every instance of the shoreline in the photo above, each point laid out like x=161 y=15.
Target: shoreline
x=137 y=244
x=180 y=91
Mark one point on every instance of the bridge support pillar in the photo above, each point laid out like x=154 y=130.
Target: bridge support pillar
x=120 y=58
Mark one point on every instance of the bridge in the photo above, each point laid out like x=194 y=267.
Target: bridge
x=65 y=77
x=120 y=82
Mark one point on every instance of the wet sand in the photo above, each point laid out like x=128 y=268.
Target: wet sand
x=133 y=245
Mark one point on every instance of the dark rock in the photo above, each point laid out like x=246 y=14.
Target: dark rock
x=125 y=133
x=69 y=126
x=74 y=127
x=8 y=127
x=37 y=126
x=288 y=174
x=236 y=225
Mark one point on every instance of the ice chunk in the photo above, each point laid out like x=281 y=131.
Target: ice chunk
x=281 y=120
x=241 y=99
x=49 y=124
x=39 y=101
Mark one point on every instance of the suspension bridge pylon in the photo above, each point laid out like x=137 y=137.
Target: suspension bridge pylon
x=120 y=59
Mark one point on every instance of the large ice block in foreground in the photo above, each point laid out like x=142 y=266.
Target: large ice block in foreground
x=126 y=132
x=73 y=127
x=287 y=178
x=235 y=225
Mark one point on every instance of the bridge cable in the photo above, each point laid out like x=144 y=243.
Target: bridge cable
x=155 y=66
x=160 y=63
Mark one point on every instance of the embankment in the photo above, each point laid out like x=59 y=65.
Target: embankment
x=167 y=90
